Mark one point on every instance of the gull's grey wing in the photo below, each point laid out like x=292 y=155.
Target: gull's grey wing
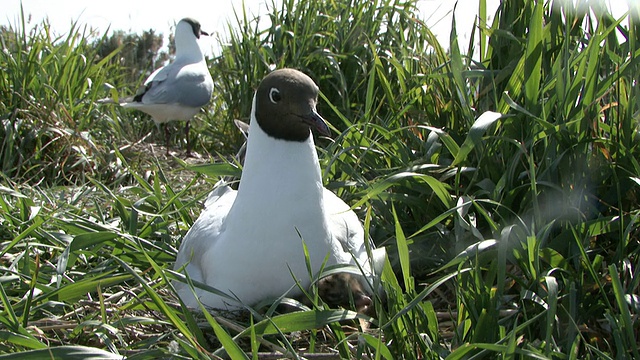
x=204 y=233
x=347 y=228
x=188 y=85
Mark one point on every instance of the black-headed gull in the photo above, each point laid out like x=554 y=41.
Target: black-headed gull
x=180 y=89
x=249 y=243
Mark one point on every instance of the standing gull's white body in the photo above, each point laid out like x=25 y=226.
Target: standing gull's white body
x=180 y=89
x=248 y=243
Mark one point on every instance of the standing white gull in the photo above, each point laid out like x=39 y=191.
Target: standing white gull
x=176 y=91
x=249 y=243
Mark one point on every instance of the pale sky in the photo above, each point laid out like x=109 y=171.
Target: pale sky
x=139 y=15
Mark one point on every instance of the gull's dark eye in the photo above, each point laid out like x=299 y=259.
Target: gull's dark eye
x=274 y=95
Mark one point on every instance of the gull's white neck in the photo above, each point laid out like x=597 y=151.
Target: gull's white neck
x=279 y=169
x=187 y=48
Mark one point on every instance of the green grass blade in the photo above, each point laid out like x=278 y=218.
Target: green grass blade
x=64 y=352
x=533 y=57
x=159 y=302
x=478 y=129
x=231 y=348
x=403 y=253
x=302 y=320
x=626 y=319
x=21 y=340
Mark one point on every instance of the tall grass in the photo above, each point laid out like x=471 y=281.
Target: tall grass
x=51 y=128
x=504 y=187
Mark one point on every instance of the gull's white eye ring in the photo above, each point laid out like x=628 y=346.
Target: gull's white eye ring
x=274 y=95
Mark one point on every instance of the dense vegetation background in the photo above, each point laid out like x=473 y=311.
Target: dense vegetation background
x=504 y=185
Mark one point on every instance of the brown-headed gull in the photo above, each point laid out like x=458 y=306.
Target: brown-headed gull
x=250 y=243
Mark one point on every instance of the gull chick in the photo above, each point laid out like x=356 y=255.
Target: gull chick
x=250 y=243
x=180 y=89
